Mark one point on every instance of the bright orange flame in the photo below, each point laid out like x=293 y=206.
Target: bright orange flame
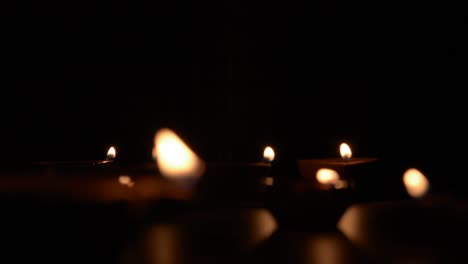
x=345 y=151
x=269 y=154
x=416 y=183
x=111 y=153
x=327 y=176
x=174 y=158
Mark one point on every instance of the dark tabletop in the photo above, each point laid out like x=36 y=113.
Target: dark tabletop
x=429 y=230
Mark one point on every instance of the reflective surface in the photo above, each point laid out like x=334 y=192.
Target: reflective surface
x=218 y=236
x=432 y=230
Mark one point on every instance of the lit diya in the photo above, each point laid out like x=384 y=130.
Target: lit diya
x=318 y=191
x=212 y=183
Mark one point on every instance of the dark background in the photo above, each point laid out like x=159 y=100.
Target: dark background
x=233 y=76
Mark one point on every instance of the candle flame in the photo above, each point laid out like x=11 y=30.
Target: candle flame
x=126 y=180
x=269 y=154
x=415 y=182
x=345 y=151
x=174 y=158
x=111 y=153
x=327 y=176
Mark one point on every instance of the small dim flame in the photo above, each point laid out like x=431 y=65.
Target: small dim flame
x=126 y=180
x=415 y=182
x=269 y=154
x=327 y=176
x=174 y=158
x=345 y=151
x=111 y=153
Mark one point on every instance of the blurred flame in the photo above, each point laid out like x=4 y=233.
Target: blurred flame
x=345 y=151
x=269 y=154
x=126 y=180
x=174 y=158
x=327 y=176
x=111 y=153
x=269 y=181
x=416 y=183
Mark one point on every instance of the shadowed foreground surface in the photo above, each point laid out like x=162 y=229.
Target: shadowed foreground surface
x=401 y=231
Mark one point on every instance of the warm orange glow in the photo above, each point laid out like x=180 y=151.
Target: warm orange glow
x=269 y=154
x=326 y=248
x=269 y=181
x=345 y=151
x=126 y=180
x=341 y=184
x=261 y=225
x=327 y=176
x=416 y=183
x=164 y=244
x=353 y=223
x=111 y=153
x=174 y=158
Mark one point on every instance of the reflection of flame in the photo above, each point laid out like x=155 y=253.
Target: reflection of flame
x=353 y=224
x=327 y=176
x=269 y=154
x=167 y=243
x=345 y=151
x=269 y=181
x=327 y=248
x=174 y=158
x=164 y=244
x=416 y=183
x=111 y=153
x=263 y=225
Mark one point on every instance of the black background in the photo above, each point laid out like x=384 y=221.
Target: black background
x=233 y=76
